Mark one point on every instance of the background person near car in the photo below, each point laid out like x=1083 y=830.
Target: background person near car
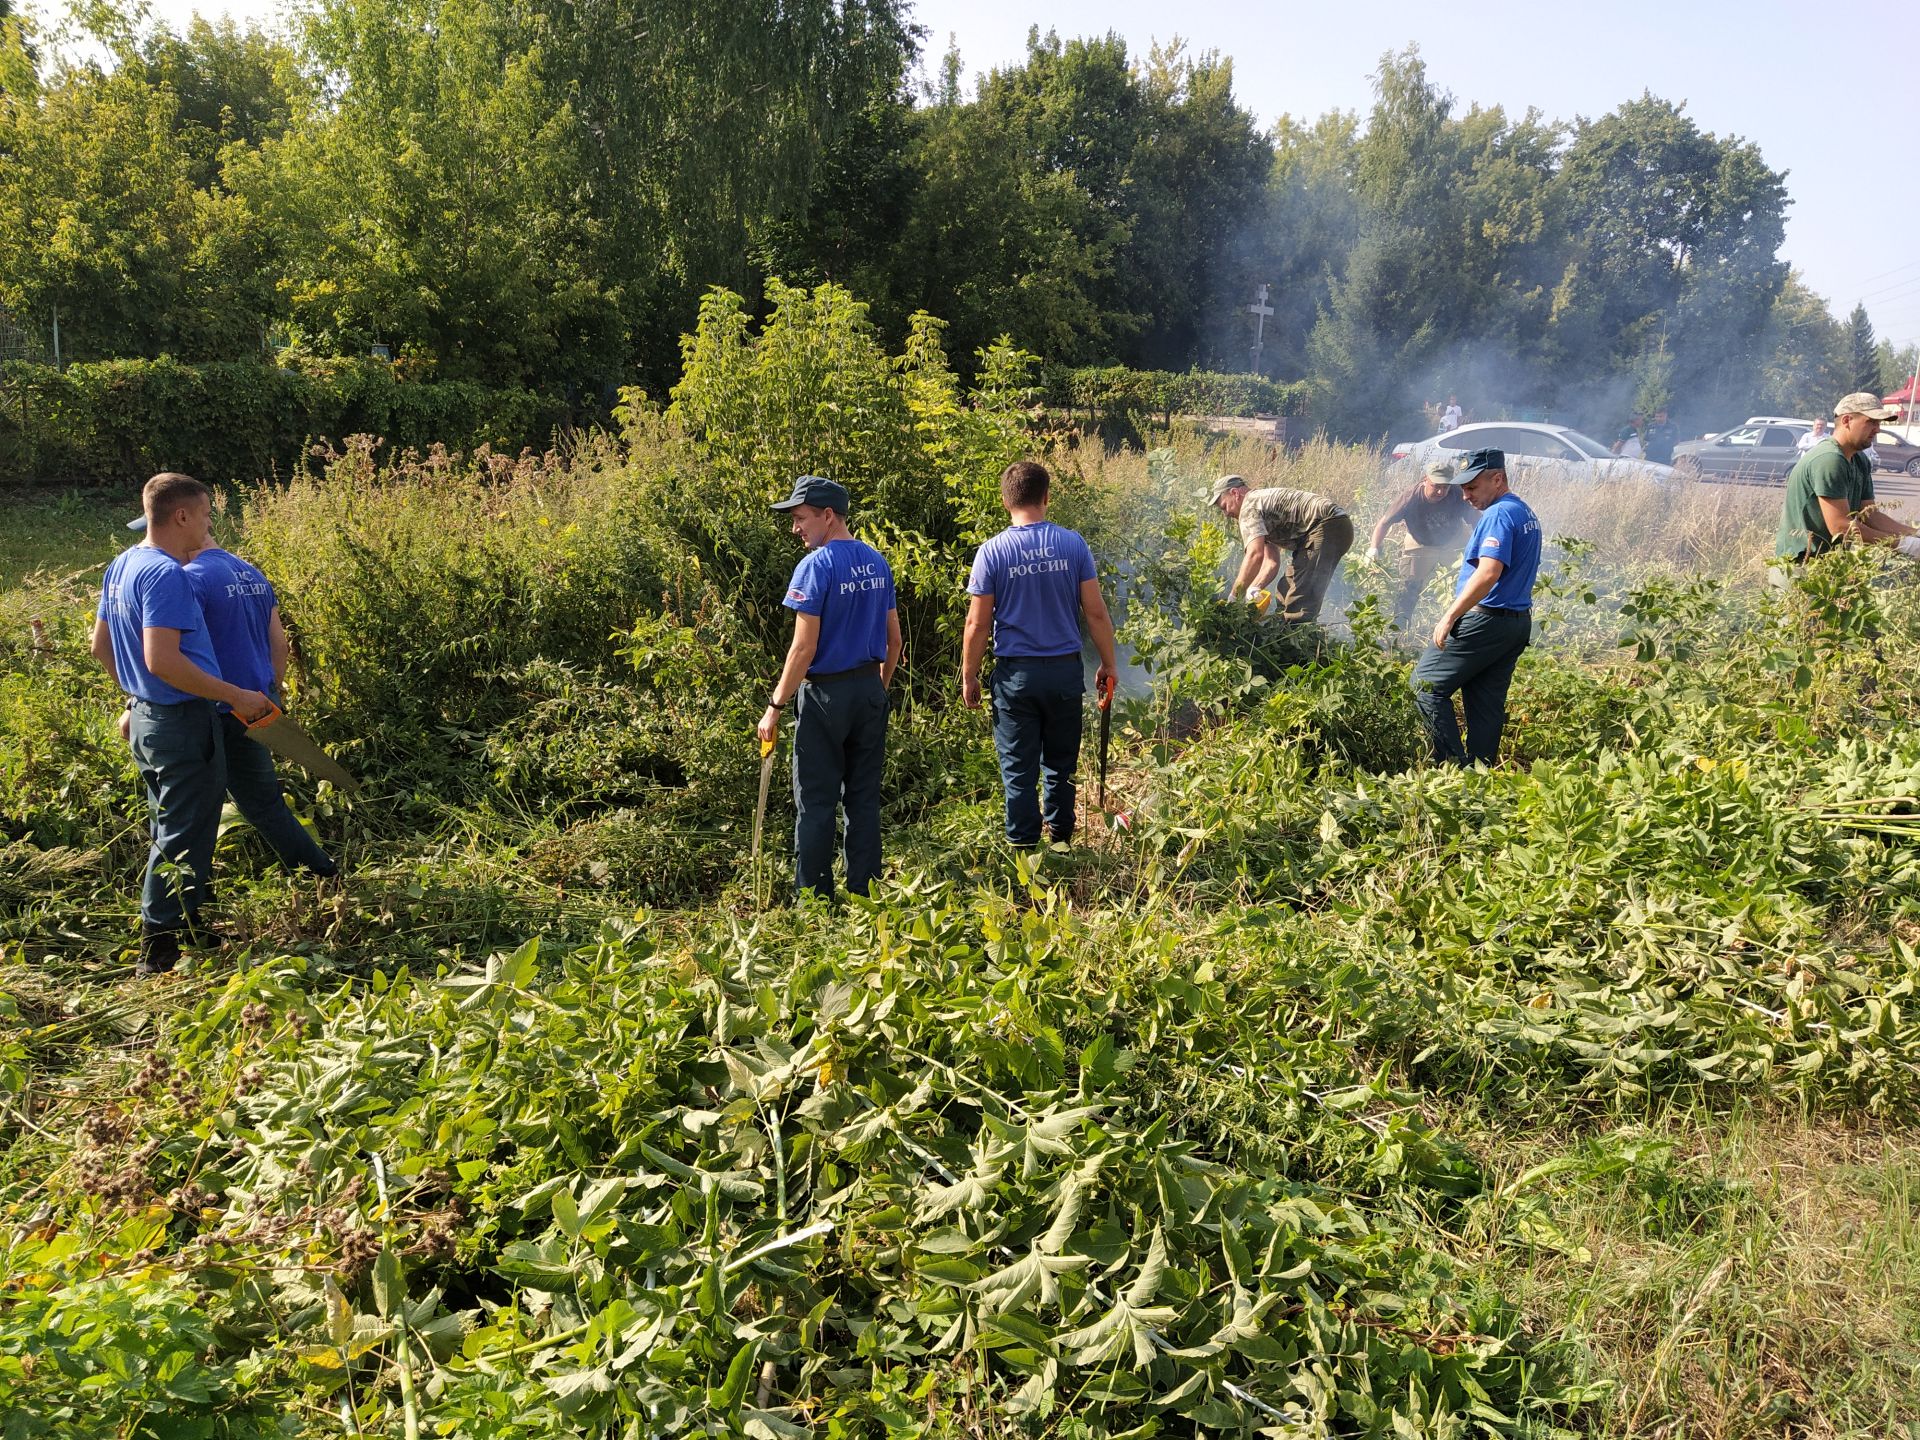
x=150 y=635
x=1437 y=518
x=1451 y=417
x=846 y=645
x=1477 y=643
x=1660 y=438
x=250 y=644
x=1030 y=586
x=1311 y=529
x=1627 y=443
x=1812 y=437
x=1830 y=491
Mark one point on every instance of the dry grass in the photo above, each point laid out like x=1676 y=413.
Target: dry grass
x=1725 y=531
x=1764 y=1283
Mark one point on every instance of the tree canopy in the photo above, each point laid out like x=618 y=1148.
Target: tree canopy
x=540 y=192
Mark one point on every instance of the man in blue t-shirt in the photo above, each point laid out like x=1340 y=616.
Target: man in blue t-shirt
x=1030 y=585
x=151 y=636
x=846 y=646
x=250 y=644
x=1477 y=643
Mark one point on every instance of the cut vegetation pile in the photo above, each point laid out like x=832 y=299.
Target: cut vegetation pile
x=1333 y=1095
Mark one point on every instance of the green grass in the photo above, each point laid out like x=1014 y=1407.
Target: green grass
x=1500 y=1028
x=63 y=532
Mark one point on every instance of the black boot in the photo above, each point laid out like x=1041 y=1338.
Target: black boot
x=159 y=952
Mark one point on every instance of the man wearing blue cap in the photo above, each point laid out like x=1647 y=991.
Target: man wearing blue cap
x=151 y=636
x=846 y=646
x=1477 y=643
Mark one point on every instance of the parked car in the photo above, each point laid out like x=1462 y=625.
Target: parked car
x=1757 y=453
x=1533 y=450
x=1763 y=420
x=1894 y=453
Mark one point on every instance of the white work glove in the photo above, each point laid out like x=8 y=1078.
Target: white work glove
x=1909 y=546
x=1373 y=554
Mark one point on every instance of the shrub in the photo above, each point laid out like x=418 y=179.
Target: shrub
x=236 y=421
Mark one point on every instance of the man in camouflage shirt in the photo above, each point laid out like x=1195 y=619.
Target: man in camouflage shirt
x=1313 y=531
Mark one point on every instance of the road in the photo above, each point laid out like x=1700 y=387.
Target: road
x=1903 y=490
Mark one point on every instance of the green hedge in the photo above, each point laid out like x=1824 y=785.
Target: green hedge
x=1116 y=391
x=118 y=420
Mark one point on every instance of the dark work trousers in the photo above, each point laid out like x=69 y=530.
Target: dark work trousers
x=181 y=754
x=1314 y=561
x=1036 y=734
x=839 y=745
x=1418 y=565
x=1478 y=664
x=256 y=791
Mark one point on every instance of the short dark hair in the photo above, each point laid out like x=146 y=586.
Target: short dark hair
x=1024 y=483
x=168 y=491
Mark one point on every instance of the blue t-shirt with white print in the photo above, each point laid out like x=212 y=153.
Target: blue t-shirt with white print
x=146 y=589
x=1034 y=574
x=849 y=585
x=1508 y=531
x=239 y=603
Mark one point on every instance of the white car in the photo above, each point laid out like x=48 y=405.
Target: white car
x=1532 y=450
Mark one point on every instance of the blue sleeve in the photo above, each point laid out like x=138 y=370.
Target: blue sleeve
x=167 y=601
x=892 y=598
x=1083 y=566
x=807 y=590
x=980 y=580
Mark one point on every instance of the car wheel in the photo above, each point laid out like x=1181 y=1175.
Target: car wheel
x=1913 y=467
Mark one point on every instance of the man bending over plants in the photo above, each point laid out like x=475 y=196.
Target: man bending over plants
x=1478 y=641
x=151 y=636
x=846 y=646
x=1313 y=531
x=1031 y=584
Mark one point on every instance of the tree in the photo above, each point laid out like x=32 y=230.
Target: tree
x=1863 y=357
x=1444 y=288
x=540 y=192
x=101 y=224
x=1807 y=354
x=230 y=86
x=1675 y=232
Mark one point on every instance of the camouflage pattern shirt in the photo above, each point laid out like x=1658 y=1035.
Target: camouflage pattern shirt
x=1283 y=516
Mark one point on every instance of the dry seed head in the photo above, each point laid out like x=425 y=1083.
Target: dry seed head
x=106 y=1129
x=358 y=1251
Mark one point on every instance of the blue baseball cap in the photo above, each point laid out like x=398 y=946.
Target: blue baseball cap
x=813 y=490
x=138 y=522
x=1479 y=462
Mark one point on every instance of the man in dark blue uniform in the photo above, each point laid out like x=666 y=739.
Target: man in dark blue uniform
x=1030 y=586
x=846 y=646
x=1477 y=643
x=151 y=636
x=250 y=644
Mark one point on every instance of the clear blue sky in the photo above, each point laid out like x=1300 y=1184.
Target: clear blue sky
x=1826 y=108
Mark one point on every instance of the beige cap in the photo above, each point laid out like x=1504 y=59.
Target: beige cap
x=1865 y=402
x=1224 y=484
x=1441 y=470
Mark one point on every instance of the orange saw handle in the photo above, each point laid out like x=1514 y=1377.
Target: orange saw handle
x=274 y=712
x=1106 y=692
x=766 y=748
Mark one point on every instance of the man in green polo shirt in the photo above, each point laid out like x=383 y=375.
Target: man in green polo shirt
x=1830 y=492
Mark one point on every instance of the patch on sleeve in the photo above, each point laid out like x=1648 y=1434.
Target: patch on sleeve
x=1492 y=542
x=796 y=596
